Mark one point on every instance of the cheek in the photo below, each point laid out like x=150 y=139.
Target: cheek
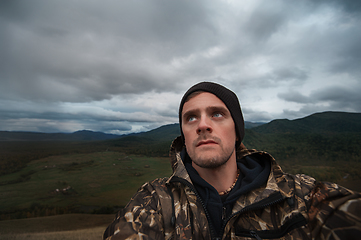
x=186 y=135
x=188 y=139
x=230 y=134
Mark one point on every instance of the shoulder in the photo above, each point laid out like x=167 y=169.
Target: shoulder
x=158 y=182
x=152 y=188
x=142 y=215
x=148 y=194
x=326 y=196
x=334 y=210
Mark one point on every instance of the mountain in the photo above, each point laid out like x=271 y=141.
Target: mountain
x=324 y=138
x=299 y=146
x=324 y=122
x=163 y=133
x=83 y=135
x=86 y=135
x=249 y=125
x=152 y=143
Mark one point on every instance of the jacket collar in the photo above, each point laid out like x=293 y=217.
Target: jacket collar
x=178 y=167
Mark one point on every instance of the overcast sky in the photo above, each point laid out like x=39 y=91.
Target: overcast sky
x=123 y=66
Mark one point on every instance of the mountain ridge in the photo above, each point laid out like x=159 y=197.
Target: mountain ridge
x=82 y=135
x=321 y=122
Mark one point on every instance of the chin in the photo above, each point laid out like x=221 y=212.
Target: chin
x=210 y=164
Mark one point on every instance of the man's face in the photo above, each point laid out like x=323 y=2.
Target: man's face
x=208 y=130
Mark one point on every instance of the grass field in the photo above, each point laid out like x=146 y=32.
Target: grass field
x=101 y=182
x=85 y=181
x=88 y=234
x=68 y=226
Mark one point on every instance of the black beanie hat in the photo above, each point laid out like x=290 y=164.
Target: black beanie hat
x=225 y=95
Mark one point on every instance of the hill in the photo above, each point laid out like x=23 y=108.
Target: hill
x=324 y=145
x=315 y=124
x=327 y=132
x=166 y=132
x=100 y=175
x=163 y=133
x=83 y=135
x=325 y=122
x=153 y=143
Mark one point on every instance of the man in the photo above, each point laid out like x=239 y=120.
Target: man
x=221 y=190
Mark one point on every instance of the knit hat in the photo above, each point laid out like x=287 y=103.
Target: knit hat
x=228 y=97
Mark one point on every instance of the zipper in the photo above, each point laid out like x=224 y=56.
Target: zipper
x=224 y=213
x=185 y=182
x=273 y=215
x=255 y=235
x=296 y=221
x=271 y=200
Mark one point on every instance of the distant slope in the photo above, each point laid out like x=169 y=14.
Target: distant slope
x=163 y=133
x=325 y=122
x=37 y=136
x=249 y=125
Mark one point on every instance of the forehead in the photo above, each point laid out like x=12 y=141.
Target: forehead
x=203 y=100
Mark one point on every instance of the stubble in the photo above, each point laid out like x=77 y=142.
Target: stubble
x=216 y=160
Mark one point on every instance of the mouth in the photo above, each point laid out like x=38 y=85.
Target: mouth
x=205 y=143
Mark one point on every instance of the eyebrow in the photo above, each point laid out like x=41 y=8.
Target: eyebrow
x=217 y=109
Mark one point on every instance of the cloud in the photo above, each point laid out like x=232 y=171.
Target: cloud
x=340 y=97
x=330 y=98
x=101 y=50
x=350 y=6
x=122 y=66
x=294 y=96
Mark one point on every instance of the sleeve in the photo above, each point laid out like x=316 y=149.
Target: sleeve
x=335 y=212
x=140 y=219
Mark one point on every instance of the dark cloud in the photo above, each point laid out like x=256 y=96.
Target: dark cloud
x=294 y=96
x=77 y=52
x=345 y=98
x=287 y=74
x=125 y=64
x=265 y=21
x=330 y=98
x=349 y=56
x=334 y=93
x=351 y=6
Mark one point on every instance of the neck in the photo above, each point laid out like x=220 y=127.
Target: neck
x=220 y=178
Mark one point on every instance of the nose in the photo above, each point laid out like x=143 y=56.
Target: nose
x=204 y=125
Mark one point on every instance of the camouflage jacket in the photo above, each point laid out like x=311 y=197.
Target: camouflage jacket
x=286 y=207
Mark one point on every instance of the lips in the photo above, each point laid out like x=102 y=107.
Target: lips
x=205 y=142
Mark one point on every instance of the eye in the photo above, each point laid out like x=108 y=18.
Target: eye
x=217 y=115
x=191 y=118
